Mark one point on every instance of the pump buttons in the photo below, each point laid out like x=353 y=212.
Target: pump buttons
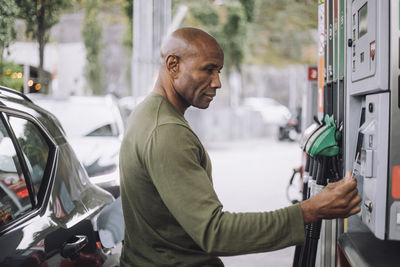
x=349 y=42
x=371 y=107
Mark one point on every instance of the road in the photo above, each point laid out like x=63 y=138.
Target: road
x=252 y=176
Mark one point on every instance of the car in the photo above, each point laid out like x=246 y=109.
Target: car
x=291 y=129
x=50 y=212
x=95 y=128
x=272 y=111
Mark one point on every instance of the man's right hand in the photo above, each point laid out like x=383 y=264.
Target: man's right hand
x=336 y=200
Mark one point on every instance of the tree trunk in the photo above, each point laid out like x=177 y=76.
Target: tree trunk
x=40 y=35
x=42 y=42
x=41 y=53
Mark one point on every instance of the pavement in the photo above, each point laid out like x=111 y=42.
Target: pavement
x=251 y=176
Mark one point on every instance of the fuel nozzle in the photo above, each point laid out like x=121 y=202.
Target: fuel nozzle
x=321 y=143
x=324 y=142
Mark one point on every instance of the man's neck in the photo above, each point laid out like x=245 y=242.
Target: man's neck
x=171 y=95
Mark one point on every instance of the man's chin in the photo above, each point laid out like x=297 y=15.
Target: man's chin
x=205 y=106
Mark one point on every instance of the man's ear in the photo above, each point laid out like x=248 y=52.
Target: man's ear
x=172 y=63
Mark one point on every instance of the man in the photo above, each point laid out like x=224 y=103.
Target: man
x=172 y=214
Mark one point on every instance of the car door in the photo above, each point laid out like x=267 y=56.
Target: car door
x=27 y=160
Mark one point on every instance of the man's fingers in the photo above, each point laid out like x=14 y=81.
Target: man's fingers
x=352 y=194
x=354 y=210
x=351 y=209
x=355 y=201
x=348 y=185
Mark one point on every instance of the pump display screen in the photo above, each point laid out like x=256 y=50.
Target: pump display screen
x=363 y=20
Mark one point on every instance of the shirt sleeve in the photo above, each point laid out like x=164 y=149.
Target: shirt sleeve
x=172 y=157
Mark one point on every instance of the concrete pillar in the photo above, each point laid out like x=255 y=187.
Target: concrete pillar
x=151 y=19
x=26 y=78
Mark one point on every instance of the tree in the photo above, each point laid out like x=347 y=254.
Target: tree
x=128 y=39
x=227 y=23
x=8 y=13
x=260 y=32
x=92 y=37
x=40 y=16
x=280 y=29
x=128 y=10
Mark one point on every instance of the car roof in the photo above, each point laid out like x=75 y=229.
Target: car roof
x=15 y=101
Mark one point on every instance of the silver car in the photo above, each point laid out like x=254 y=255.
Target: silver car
x=50 y=212
x=94 y=128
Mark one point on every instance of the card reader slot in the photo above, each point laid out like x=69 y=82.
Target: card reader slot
x=360 y=137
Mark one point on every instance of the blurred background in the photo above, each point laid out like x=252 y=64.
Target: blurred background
x=90 y=62
x=68 y=48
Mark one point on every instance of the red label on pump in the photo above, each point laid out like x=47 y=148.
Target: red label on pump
x=312 y=74
x=396 y=182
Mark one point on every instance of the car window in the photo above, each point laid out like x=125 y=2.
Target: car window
x=106 y=130
x=14 y=195
x=83 y=117
x=33 y=146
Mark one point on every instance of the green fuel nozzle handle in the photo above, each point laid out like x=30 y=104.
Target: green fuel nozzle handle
x=325 y=142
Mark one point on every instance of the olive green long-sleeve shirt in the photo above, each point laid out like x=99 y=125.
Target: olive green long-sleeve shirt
x=172 y=214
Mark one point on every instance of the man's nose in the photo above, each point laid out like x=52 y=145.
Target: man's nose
x=216 y=82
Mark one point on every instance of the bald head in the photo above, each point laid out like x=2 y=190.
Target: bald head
x=191 y=61
x=186 y=42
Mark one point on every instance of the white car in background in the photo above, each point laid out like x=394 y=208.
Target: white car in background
x=272 y=111
x=94 y=128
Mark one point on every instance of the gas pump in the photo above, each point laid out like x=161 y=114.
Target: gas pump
x=360 y=88
x=371 y=104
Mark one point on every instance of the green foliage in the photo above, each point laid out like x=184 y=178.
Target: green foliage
x=273 y=32
x=227 y=23
x=280 y=30
x=248 y=6
x=206 y=14
x=92 y=37
x=12 y=76
x=8 y=13
x=128 y=10
x=233 y=39
x=40 y=16
x=34 y=146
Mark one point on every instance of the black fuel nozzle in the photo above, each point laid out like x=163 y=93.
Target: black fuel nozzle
x=306 y=176
x=321 y=172
x=315 y=169
x=335 y=161
x=312 y=178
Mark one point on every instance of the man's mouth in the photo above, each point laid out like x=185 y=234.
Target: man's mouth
x=210 y=95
